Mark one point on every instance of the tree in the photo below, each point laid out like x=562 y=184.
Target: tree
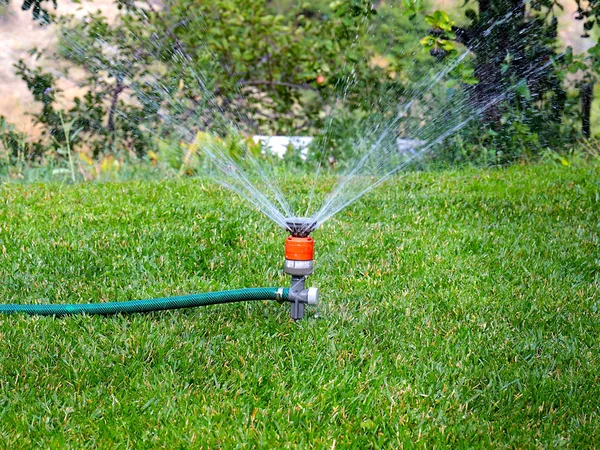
x=515 y=59
x=190 y=66
x=267 y=71
x=194 y=66
x=513 y=42
x=512 y=38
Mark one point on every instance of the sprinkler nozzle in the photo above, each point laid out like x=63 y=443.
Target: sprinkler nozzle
x=300 y=226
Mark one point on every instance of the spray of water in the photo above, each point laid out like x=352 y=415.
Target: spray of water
x=417 y=123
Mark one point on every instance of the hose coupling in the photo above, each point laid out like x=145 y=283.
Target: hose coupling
x=308 y=296
x=279 y=296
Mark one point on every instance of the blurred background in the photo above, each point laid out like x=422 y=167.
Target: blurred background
x=104 y=84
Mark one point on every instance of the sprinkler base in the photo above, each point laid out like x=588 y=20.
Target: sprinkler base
x=299 y=296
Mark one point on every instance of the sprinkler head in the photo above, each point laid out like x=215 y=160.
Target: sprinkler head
x=299 y=253
x=300 y=226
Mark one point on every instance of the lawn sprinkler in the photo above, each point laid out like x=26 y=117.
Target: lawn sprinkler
x=299 y=253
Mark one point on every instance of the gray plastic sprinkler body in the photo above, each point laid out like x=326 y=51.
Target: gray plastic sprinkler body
x=299 y=253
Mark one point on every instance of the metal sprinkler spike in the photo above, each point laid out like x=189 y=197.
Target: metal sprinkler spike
x=299 y=253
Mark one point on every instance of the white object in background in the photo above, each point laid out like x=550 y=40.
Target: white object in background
x=409 y=147
x=279 y=144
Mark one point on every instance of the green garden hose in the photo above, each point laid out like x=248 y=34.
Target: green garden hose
x=153 y=304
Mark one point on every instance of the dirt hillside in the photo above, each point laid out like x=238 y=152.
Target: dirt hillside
x=18 y=34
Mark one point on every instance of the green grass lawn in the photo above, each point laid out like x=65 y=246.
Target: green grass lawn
x=460 y=309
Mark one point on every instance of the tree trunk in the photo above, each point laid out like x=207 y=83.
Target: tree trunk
x=495 y=36
x=113 y=104
x=587 y=95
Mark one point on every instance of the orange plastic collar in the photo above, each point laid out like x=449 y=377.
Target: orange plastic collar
x=299 y=249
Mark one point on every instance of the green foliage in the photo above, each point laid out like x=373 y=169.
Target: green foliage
x=13 y=144
x=515 y=60
x=282 y=71
x=115 y=63
x=206 y=67
x=102 y=121
x=438 y=41
x=42 y=87
x=457 y=307
x=413 y=8
x=329 y=69
x=38 y=8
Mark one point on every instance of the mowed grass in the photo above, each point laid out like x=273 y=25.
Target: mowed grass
x=460 y=309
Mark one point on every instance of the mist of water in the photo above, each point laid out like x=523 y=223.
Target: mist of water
x=423 y=118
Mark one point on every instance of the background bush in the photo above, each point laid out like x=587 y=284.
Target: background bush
x=337 y=70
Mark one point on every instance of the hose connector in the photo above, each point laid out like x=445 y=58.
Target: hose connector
x=312 y=296
x=299 y=296
x=308 y=296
